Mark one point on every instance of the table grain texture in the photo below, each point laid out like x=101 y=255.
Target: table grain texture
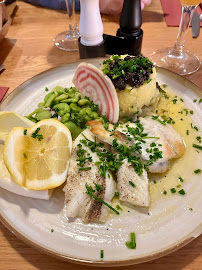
x=27 y=50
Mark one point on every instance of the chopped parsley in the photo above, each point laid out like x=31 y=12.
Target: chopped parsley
x=35 y=135
x=132 y=243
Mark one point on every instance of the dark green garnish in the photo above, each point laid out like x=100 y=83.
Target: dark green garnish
x=116 y=194
x=194 y=100
x=148 y=81
x=90 y=192
x=101 y=254
x=197 y=171
x=154 y=182
x=84 y=168
x=52 y=230
x=98 y=187
x=164 y=85
x=25 y=131
x=187 y=132
x=178 y=186
x=194 y=127
x=181 y=99
x=164 y=192
x=197 y=146
x=181 y=179
x=35 y=135
x=191 y=112
x=172 y=190
x=198 y=138
x=174 y=101
x=190 y=209
x=132 y=243
x=200 y=100
x=46 y=89
x=131 y=183
x=181 y=192
x=25 y=155
x=118 y=207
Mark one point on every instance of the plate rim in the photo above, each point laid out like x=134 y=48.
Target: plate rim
x=187 y=239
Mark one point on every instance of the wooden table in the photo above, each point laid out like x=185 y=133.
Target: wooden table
x=28 y=50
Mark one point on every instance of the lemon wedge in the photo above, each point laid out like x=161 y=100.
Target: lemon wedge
x=38 y=157
x=8 y=120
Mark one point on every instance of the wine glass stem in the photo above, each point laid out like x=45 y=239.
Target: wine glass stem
x=178 y=49
x=71 y=13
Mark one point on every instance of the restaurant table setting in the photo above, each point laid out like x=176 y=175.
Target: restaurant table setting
x=40 y=49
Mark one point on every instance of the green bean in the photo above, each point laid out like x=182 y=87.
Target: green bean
x=61 y=97
x=65 y=118
x=43 y=115
x=70 y=100
x=41 y=105
x=83 y=102
x=50 y=100
x=74 y=107
x=74 y=129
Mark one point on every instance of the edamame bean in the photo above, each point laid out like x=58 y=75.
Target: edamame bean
x=74 y=129
x=74 y=107
x=62 y=107
x=43 y=115
x=48 y=96
x=59 y=90
x=50 y=100
x=83 y=111
x=61 y=97
x=87 y=118
x=65 y=118
x=89 y=111
x=31 y=119
x=41 y=105
x=70 y=100
x=83 y=102
x=94 y=115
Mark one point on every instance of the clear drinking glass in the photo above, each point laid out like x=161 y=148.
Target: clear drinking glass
x=177 y=58
x=68 y=40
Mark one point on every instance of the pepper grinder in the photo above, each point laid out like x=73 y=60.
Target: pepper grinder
x=128 y=39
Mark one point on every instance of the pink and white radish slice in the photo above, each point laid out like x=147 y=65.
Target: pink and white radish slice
x=91 y=82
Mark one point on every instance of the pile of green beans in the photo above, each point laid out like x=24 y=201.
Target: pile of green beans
x=70 y=106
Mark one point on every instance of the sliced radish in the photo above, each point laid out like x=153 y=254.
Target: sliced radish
x=91 y=82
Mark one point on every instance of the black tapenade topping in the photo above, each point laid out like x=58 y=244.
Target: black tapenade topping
x=132 y=70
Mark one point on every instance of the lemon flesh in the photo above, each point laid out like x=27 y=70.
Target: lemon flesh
x=39 y=164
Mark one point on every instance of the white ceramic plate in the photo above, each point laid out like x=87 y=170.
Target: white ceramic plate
x=169 y=225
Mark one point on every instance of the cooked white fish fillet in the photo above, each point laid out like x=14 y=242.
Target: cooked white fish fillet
x=127 y=177
x=78 y=202
x=171 y=146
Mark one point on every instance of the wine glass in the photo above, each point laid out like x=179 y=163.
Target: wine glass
x=68 y=40
x=177 y=58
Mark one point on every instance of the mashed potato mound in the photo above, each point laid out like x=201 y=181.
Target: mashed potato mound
x=132 y=100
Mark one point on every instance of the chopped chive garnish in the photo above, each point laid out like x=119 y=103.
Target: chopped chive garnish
x=187 y=132
x=190 y=209
x=84 y=168
x=181 y=179
x=182 y=100
x=132 y=243
x=90 y=192
x=164 y=192
x=181 y=192
x=131 y=183
x=197 y=171
x=25 y=131
x=194 y=100
x=98 y=187
x=164 y=85
x=101 y=254
x=178 y=186
x=25 y=155
x=197 y=146
x=172 y=190
x=198 y=138
x=191 y=112
x=116 y=193
x=52 y=230
x=35 y=135
x=174 y=101
x=154 y=182
x=46 y=89
x=200 y=100
x=148 y=81
x=118 y=207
